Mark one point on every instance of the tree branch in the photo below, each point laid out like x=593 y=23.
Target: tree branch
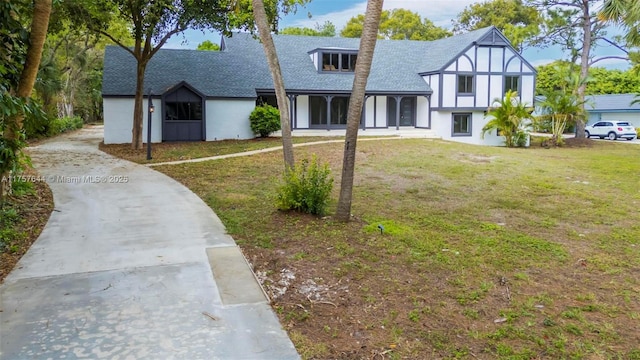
x=608 y=57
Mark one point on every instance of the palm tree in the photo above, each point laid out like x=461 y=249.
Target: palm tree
x=626 y=13
x=509 y=117
x=561 y=108
x=356 y=102
x=262 y=22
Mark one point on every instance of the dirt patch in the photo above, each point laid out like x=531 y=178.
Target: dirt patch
x=33 y=211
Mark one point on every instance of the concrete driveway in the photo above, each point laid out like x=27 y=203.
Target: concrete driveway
x=131 y=265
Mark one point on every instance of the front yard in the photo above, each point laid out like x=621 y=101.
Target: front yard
x=485 y=253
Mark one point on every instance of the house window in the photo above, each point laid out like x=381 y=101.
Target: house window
x=512 y=83
x=345 y=62
x=461 y=125
x=339 y=107
x=465 y=84
x=318 y=110
x=183 y=110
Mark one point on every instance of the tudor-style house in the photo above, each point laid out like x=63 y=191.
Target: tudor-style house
x=443 y=86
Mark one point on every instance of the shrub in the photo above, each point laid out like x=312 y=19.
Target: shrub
x=264 y=120
x=307 y=187
x=60 y=125
x=638 y=132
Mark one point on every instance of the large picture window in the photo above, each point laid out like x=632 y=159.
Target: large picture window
x=461 y=125
x=465 y=84
x=318 y=111
x=512 y=83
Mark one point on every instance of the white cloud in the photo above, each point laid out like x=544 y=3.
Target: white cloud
x=441 y=12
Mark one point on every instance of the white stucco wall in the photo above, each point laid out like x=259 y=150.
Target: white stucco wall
x=381 y=109
x=369 y=112
x=302 y=112
x=118 y=120
x=442 y=121
x=422 y=115
x=229 y=119
x=434 y=83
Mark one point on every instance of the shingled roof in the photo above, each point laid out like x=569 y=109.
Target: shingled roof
x=612 y=103
x=241 y=69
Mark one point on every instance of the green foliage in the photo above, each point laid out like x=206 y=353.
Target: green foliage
x=307 y=188
x=561 y=107
x=519 y=22
x=264 y=120
x=207 y=45
x=326 y=29
x=600 y=80
x=398 y=24
x=510 y=117
x=60 y=125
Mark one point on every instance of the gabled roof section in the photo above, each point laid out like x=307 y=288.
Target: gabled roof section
x=612 y=102
x=438 y=54
x=493 y=38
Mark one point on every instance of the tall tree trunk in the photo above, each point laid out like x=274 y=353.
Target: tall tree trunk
x=584 y=65
x=39 y=25
x=138 y=107
x=260 y=16
x=356 y=103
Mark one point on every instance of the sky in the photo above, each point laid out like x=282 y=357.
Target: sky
x=440 y=12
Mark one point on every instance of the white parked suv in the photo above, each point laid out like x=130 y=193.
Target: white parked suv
x=611 y=130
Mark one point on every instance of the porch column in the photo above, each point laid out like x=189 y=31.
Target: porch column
x=428 y=97
x=329 y=98
x=293 y=117
x=398 y=100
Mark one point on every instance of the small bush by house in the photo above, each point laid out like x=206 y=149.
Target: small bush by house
x=264 y=120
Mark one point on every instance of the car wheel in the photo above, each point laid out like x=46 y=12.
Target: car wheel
x=586 y=134
x=612 y=136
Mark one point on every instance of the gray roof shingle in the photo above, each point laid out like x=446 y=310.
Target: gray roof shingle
x=611 y=102
x=241 y=68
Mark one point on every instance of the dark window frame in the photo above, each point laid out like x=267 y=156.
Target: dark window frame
x=466 y=83
x=469 y=124
x=508 y=83
x=336 y=61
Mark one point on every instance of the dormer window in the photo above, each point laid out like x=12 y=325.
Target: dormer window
x=339 y=61
x=335 y=60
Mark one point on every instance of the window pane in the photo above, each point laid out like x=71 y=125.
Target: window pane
x=511 y=83
x=353 y=59
x=461 y=124
x=345 y=62
x=318 y=108
x=465 y=84
x=339 y=107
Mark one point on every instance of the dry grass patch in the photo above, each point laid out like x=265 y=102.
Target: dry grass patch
x=173 y=151
x=486 y=252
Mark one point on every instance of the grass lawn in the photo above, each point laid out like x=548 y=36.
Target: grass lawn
x=172 y=151
x=486 y=252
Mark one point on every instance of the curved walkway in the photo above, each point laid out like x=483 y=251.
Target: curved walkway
x=131 y=265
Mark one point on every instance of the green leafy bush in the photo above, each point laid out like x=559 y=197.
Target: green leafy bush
x=307 y=187
x=638 y=132
x=60 y=125
x=264 y=120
